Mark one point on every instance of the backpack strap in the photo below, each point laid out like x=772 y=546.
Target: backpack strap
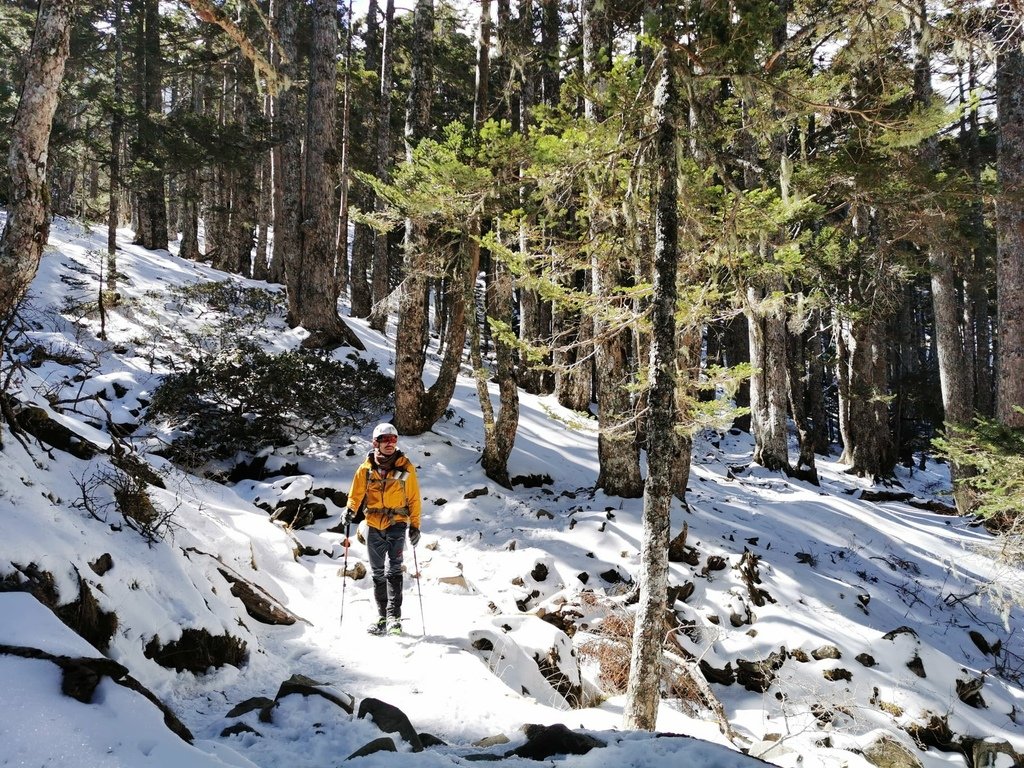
x=398 y=475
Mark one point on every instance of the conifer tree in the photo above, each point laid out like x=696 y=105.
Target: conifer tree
x=116 y=137
x=150 y=212
x=618 y=450
x=381 y=264
x=287 y=155
x=416 y=407
x=1010 y=222
x=28 y=224
x=643 y=692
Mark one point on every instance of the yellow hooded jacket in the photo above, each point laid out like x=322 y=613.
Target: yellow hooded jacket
x=390 y=500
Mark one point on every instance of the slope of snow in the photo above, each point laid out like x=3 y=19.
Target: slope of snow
x=835 y=579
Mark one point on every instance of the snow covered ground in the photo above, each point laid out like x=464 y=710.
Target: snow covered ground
x=867 y=607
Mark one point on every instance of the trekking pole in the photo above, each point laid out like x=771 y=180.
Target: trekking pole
x=416 y=565
x=344 y=574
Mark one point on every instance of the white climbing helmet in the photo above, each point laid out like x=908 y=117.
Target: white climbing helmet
x=384 y=429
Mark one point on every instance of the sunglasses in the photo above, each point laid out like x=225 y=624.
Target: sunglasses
x=387 y=439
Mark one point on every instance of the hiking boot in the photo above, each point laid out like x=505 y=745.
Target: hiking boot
x=394 y=626
x=378 y=627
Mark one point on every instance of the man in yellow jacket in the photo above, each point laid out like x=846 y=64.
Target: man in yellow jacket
x=384 y=488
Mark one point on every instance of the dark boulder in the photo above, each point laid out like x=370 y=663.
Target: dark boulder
x=383 y=744
x=547 y=741
x=390 y=719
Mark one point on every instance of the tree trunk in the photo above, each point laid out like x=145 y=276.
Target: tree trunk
x=572 y=330
x=500 y=431
x=534 y=311
x=343 y=241
x=363 y=238
x=317 y=281
x=957 y=397
x=264 y=213
x=219 y=236
x=797 y=386
x=28 y=225
x=508 y=84
x=417 y=409
x=116 y=137
x=151 y=202
x=979 y=315
x=815 y=389
x=643 y=689
x=954 y=377
x=380 y=285
x=481 y=109
x=206 y=176
x=287 y=259
x=768 y=397
x=688 y=351
x=863 y=387
x=371 y=37
x=362 y=258
x=617 y=447
x=550 y=61
x=188 y=248
x=573 y=334
x=286 y=156
x=1010 y=233
x=244 y=187
x=736 y=350
x=495 y=457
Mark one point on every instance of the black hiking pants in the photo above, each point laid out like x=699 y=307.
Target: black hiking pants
x=387 y=545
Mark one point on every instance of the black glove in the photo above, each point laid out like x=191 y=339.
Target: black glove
x=414 y=535
x=350 y=517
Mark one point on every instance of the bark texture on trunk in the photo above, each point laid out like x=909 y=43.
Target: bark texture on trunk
x=1010 y=234
x=688 y=353
x=245 y=176
x=191 y=194
x=416 y=408
x=862 y=372
x=821 y=434
x=343 y=241
x=979 y=319
x=550 y=60
x=317 y=281
x=363 y=236
x=116 y=137
x=955 y=376
x=617 y=447
x=768 y=394
x=497 y=450
x=151 y=202
x=797 y=383
x=287 y=258
x=643 y=689
x=380 y=284
x=573 y=334
x=28 y=225
x=534 y=311
x=260 y=262
x=500 y=429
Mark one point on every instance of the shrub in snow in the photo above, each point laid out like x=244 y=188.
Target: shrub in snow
x=246 y=399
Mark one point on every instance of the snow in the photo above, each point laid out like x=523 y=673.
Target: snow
x=837 y=570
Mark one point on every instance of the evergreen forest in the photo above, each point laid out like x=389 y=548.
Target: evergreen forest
x=835 y=184
x=787 y=217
